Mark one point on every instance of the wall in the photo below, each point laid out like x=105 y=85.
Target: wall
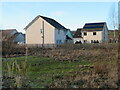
x=20 y=39
x=49 y=31
x=78 y=39
x=34 y=35
x=105 y=34
x=90 y=36
x=60 y=35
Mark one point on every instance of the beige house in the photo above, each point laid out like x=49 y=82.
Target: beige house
x=95 y=32
x=44 y=30
x=92 y=33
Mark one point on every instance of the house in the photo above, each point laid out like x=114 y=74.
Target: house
x=95 y=32
x=78 y=36
x=69 y=37
x=12 y=35
x=73 y=33
x=7 y=33
x=44 y=30
x=19 y=38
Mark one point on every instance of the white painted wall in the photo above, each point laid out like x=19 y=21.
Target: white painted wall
x=60 y=35
x=78 y=39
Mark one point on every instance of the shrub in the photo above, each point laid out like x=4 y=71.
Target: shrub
x=10 y=49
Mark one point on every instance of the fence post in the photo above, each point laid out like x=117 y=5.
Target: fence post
x=26 y=53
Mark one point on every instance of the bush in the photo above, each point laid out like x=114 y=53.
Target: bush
x=10 y=49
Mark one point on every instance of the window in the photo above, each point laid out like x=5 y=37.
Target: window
x=59 y=41
x=92 y=41
x=85 y=33
x=85 y=41
x=94 y=33
x=96 y=41
x=41 y=30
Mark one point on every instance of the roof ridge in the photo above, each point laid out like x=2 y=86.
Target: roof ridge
x=51 y=19
x=96 y=22
x=47 y=19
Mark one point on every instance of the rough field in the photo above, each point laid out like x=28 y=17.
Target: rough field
x=88 y=66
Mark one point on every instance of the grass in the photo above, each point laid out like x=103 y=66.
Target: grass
x=85 y=66
x=42 y=70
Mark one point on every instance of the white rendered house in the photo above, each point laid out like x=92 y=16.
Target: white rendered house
x=95 y=33
x=44 y=30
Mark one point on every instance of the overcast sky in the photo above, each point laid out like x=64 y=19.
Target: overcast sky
x=72 y=15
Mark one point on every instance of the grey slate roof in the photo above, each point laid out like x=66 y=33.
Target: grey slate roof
x=94 y=26
x=49 y=20
x=78 y=33
x=13 y=38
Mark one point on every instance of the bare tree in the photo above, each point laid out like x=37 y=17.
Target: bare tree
x=114 y=18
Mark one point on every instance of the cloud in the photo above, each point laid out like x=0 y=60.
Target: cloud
x=58 y=13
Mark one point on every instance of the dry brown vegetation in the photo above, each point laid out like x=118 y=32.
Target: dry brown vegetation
x=93 y=52
x=10 y=49
x=103 y=73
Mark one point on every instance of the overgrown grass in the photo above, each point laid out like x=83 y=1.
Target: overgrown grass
x=41 y=71
x=85 y=66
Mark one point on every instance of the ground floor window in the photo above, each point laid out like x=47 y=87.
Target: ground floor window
x=95 y=41
x=78 y=42
x=59 y=41
x=92 y=41
x=85 y=41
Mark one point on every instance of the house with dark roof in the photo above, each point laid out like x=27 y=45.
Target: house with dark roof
x=95 y=32
x=44 y=30
x=73 y=32
x=77 y=37
x=12 y=35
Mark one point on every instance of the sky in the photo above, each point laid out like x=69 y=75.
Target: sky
x=119 y=15
x=72 y=15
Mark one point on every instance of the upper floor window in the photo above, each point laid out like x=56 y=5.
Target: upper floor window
x=41 y=30
x=85 y=33
x=94 y=33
